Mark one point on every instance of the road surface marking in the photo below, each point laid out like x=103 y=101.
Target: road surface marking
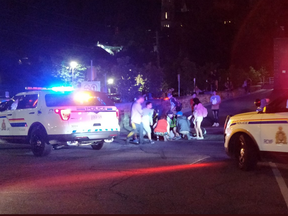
x=280 y=181
x=200 y=160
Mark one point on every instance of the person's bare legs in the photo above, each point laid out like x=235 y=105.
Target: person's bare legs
x=198 y=125
x=196 y=130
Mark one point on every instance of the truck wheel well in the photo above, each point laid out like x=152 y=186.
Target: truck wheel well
x=233 y=143
x=36 y=125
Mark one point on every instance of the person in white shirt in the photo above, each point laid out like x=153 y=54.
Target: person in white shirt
x=215 y=101
x=136 y=120
x=147 y=120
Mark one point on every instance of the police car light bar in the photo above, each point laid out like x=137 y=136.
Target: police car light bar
x=63 y=88
x=60 y=88
x=36 y=88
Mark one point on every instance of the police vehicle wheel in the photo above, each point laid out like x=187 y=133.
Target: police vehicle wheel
x=38 y=142
x=246 y=153
x=97 y=145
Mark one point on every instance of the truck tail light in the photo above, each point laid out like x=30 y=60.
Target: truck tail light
x=63 y=113
x=117 y=113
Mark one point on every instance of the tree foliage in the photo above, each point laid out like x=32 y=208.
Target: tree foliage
x=154 y=79
x=61 y=66
x=127 y=79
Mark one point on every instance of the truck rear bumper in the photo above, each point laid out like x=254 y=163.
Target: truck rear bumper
x=85 y=136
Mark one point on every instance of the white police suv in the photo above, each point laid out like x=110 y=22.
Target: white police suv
x=254 y=136
x=47 y=118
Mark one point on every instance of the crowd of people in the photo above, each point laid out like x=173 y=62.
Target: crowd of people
x=170 y=125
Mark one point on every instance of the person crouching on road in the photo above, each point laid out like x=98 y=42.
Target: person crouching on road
x=162 y=128
x=147 y=120
x=172 y=120
x=183 y=126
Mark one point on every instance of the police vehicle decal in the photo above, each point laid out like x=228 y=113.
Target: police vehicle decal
x=96 y=130
x=280 y=136
x=19 y=122
x=263 y=121
x=270 y=121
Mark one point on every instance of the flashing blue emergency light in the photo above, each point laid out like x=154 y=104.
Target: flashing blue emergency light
x=63 y=88
x=56 y=89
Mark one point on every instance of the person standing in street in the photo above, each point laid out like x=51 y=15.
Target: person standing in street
x=215 y=100
x=136 y=120
x=194 y=95
x=192 y=104
x=147 y=120
x=199 y=113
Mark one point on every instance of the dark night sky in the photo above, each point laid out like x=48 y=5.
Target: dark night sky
x=76 y=22
x=47 y=25
x=39 y=28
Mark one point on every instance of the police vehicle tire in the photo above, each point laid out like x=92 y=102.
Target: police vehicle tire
x=97 y=145
x=39 y=145
x=246 y=153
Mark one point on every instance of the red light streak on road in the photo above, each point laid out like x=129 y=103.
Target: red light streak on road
x=92 y=177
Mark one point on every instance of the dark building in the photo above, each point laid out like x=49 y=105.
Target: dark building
x=202 y=30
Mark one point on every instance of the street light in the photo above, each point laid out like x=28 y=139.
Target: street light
x=73 y=65
x=110 y=81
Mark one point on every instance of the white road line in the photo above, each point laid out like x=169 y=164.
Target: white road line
x=280 y=181
x=201 y=159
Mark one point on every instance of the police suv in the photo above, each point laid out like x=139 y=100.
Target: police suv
x=47 y=118
x=254 y=136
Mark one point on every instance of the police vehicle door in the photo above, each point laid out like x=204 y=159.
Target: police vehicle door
x=24 y=114
x=5 y=115
x=274 y=126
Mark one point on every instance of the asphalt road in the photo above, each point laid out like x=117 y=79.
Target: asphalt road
x=175 y=177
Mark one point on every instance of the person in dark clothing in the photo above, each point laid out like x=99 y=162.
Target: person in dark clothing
x=194 y=95
x=183 y=125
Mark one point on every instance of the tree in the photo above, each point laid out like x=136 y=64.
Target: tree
x=61 y=65
x=154 y=79
x=128 y=80
x=258 y=75
x=188 y=72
